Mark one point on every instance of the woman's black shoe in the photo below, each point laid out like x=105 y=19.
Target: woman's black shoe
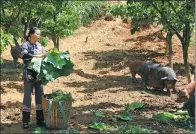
x=25 y=125
x=40 y=123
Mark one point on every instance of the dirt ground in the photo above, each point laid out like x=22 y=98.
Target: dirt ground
x=101 y=80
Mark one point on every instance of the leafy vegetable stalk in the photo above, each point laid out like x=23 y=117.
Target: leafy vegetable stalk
x=54 y=65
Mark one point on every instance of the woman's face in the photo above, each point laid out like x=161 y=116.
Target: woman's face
x=36 y=36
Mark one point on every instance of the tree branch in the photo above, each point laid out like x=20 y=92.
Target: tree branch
x=165 y=19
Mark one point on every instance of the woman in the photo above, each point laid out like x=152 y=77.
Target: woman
x=32 y=48
x=190 y=103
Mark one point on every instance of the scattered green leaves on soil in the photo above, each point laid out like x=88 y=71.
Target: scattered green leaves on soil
x=132 y=130
x=68 y=131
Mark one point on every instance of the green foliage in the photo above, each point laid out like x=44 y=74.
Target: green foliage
x=118 y=10
x=174 y=13
x=136 y=11
x=57 y=59
x=12 y=13
x=58 y=18
x=54 y=65
x=88 y=11
x=59 y=95
x=36 y=64
x=44 y=41
x=6 y=39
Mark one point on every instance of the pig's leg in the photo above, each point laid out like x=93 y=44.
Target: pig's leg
x=144 y=81
x=146 y=84
x=175 y=90
x=133 y=76
x=169 y=92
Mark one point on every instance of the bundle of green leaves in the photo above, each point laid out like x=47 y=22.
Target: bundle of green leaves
x=59 y=95
x=55 y=64
x=167 y=117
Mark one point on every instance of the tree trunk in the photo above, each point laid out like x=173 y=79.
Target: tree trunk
x=53 y=34
x=185 y=44
x=187 y=69
x=169 y=46
x=55 y=40
x=58 y=43
x=16 y=42
x=25 y=28
x=26 y=25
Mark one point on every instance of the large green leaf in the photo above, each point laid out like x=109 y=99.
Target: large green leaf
x=97 y=125
x=133 y=106
x=125 y=116
x=99 y=114
x=35 y=64
x=55 y=59
x=67 y=69
x=38 y=130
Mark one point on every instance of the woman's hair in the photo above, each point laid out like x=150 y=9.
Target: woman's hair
x=31 y=31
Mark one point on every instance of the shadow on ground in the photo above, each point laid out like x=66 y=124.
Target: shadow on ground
x=144 y=38
x=98 y=83
x=117 y=60
x=9 y=72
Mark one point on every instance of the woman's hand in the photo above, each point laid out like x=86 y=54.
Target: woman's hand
x=39 y=56
x=190 y=88
x=186 y=92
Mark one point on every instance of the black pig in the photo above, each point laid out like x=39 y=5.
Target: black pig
x=158 y=76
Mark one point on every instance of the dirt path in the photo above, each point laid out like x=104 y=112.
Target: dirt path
x=101 y=80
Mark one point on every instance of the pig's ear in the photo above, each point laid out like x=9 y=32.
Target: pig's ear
x=164 y=78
